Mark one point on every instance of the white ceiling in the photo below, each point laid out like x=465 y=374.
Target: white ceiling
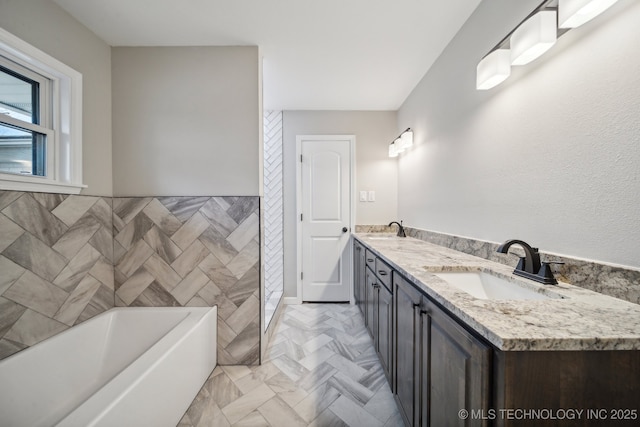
x=318 y=55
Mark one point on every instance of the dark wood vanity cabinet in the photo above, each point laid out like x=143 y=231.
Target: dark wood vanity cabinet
x=437 y=366
x=384 y=337
x=373 y=294
x=455 y=368
x=367 y=288
x=407 y=349
x=370 y=318
x=358 y=275
x=604 y=385
x=434 y=366
x=379 y=320
x=441 y=368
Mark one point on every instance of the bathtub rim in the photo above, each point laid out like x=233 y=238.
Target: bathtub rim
x=92 y=409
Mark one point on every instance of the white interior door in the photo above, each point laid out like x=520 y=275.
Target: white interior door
x=325 y=187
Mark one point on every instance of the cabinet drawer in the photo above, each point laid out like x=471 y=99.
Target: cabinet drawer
x=383 y=271
x=370 y=258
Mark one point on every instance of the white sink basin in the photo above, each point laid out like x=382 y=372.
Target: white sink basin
x=483 y=285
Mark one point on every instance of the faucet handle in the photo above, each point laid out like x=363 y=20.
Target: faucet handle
x=549 y=263
x=546 y=274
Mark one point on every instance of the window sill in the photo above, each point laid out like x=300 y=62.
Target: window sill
x=40 y=186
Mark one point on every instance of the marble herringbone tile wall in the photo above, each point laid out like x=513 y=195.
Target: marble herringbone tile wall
x=58 y=252
x=56 y=264
x=193 y=251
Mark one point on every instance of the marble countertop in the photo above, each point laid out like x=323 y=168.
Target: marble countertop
x=576 y=319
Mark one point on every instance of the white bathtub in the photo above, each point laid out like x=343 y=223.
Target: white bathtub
x=125 y=367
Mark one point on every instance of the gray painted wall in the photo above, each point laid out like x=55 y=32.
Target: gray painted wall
x=49 y=28
x=374 y=130
x=550 y=156
x=186 y=121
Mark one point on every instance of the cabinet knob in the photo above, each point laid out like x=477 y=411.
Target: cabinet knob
x=345 y=229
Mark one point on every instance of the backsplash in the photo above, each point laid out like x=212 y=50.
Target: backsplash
x=56 y=266
x=193 y=251
x=376 y=229
x=58 y=252
x=618 y=282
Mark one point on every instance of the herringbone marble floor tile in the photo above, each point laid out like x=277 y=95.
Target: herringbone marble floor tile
x=320 y=370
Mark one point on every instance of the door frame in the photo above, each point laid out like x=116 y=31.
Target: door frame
x=352 y=186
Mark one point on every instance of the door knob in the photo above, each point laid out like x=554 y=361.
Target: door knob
x=345 y=229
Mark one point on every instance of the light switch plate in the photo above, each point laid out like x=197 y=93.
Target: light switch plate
x=372 y=196
x=363 y=196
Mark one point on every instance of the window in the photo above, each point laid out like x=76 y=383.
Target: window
x=40 y=120
x=25 y=121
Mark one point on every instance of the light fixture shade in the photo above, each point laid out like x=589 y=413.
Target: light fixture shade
x=533 y=37
x=406 y=139
x=398 y=144
x=392 y=150
x=493 y=69
x=573 y=13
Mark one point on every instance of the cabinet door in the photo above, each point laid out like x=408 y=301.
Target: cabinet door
x=358 y=274
x=406 y=328
x=425 y=368
x=371 y=302
x=361 y=283
x=458 y=374
x=384 y=337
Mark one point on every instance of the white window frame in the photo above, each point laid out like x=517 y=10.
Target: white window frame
x=64 y=139
x=45 y=127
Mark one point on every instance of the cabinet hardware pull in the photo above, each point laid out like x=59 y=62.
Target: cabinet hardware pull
x=369 y=259
x=416 y=306
x=423 y=312
x=382 y=272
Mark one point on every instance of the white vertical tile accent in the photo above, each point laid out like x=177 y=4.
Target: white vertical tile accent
x=273 y=212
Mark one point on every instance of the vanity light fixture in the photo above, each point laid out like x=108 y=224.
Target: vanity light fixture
x=573 y=13
x=493 y=69
x=398 y=144
x=406 y=139
x=536 y=34
x=402 y=142
x=533 y=37
x=392 y=150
